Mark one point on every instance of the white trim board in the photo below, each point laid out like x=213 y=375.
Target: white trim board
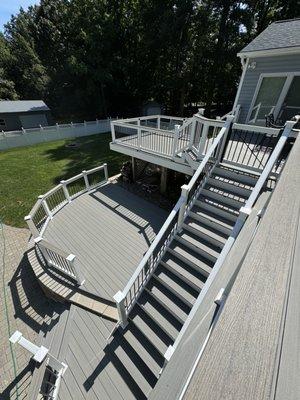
x=270 y=52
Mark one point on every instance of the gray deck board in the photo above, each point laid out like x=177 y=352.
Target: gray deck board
x=109 y=230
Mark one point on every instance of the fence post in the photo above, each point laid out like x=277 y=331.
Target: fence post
x=176 y=139
x=139 y=133
x=184 y=195
x=66 y=192
x=120 y=302
x=86 y=180
x=77 y=273
x=33 y=229
x=105 y=172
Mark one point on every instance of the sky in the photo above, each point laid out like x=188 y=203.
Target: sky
x=9 y=7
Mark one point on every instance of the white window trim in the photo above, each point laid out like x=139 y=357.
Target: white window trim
x=289 y=78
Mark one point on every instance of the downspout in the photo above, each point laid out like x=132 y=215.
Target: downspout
x=244 y=62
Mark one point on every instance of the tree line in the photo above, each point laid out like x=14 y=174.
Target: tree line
x=98 y=58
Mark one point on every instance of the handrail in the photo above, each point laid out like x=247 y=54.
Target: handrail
x=244 y=213
x=142 y=127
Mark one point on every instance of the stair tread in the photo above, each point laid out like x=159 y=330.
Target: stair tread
x=231 y=184
x=200 y=243
x=161 y=343
x=238 y=176
x=208 y=231
x=134 y=364
x=144 y=348
x=208 y=204
x=221 y=198
x=183 y=270
x=160 y=315
x=211 y=220
x=175 y=284
x=173 y=302
x=192 y=257
x=230 y=190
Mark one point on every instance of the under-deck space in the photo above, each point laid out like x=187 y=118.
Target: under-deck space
x=109 y=230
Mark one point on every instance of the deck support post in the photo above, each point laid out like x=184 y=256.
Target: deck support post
x=66 y=192
x=105 y=171
x=120 y=303
x=184 y=195
x=113 y=133
x=163 y=180
x=133 y=165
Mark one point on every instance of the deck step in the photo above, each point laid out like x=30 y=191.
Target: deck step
x=179 y=287
x=205 y=231
x=236 y=175
x=184 y=271
x=160 y=315
x=234 y=189
x=222 y=198
x=208 y=206
x=169 y=299
x=190 y=257
x=149 y=329
x=134 y=364
x=199 y=245
x=211 y=220
x=145 y=347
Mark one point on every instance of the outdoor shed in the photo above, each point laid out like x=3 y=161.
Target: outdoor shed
x=270 y=82
x=24 y=113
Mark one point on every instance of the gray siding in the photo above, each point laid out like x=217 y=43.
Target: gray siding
x=264 y=65
x=13 y=123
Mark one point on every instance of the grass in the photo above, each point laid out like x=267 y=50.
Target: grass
x=28 y=172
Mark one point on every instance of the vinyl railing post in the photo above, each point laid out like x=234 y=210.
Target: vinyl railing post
x=139 y=133
x=71 y=261
x=33 y=229
x=66 y=191
x=120 y=302
x=86 y=180
x=193 y=132
x=46 y=207
x=113 y=133
x=176 y=139
x=42 y=250
x=203 y=140
x=220 y=150
x=158 y=122
x=184 y=195
x=105 y=171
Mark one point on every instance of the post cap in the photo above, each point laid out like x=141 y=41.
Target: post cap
x=119 y=297
x=38 y=239
x=27 y=218
x=15 y=337
x=71 y=257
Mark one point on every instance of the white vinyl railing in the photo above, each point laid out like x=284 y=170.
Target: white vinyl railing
x=126 y=299
x=49 y=204
x=245 y=211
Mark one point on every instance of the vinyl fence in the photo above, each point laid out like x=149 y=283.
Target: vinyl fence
x=28 y=137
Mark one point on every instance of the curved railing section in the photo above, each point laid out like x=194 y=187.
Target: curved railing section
x=48 y=205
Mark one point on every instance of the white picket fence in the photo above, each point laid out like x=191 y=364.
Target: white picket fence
x=29 y=137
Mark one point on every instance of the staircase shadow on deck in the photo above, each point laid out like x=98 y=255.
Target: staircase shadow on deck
x=32 y=307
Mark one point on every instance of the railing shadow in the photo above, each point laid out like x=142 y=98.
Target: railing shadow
x=20 y=384
x=128 y=207
x=29 y=301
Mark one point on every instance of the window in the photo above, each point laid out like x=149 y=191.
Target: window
x=278 y=94
x=2 y=123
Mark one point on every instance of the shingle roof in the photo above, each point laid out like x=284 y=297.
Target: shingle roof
x=12 y=106
x=278 y=35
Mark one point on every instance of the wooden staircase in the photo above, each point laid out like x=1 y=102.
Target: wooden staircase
x=165 y=303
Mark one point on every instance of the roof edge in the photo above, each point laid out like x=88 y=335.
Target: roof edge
x=269 y=52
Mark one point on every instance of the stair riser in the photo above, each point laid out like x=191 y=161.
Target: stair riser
x=191 y=264
x=237 y=190
x=198 y=250
x=223 y=200
x=235 y=177
x=217 y=211
x=202 y=235
x=210 y=224
x=182 y=277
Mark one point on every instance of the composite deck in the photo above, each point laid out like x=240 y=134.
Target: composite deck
x=108 y=230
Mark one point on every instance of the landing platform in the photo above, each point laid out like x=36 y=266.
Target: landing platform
x=109 y=230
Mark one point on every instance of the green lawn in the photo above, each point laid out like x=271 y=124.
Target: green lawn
x=28 y=172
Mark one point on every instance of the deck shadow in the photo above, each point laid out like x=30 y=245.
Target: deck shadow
x=20 y=384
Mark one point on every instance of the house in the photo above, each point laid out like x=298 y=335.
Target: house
x=18 y=114
x=270 y=81
x=201 y=302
